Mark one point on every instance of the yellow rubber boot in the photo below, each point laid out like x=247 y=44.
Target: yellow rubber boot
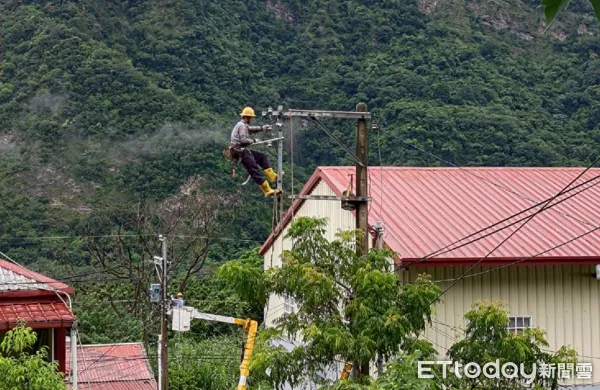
x=266 y=189
x=271 y=175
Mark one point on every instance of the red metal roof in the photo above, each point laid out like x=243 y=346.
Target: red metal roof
x=35 y=315
x=425 y=209
x=133 y=385
x=113 y=367
x=20 y=281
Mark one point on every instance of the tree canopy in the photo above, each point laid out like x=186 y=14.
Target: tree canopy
x=351 y=308
x=24 y=369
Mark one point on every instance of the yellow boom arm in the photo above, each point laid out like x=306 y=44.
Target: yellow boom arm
x=181 y=322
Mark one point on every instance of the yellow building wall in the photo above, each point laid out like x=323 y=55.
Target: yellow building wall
x=562 y=300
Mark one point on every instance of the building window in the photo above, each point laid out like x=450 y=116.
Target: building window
x=518 y=324
x=289 y=305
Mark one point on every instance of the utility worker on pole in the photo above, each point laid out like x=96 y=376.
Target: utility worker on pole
x=251 y=159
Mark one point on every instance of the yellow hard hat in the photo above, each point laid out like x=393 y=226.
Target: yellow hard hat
x=248 y=111
x=179 y=294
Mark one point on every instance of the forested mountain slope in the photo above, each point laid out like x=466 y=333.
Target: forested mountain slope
x=106 y=103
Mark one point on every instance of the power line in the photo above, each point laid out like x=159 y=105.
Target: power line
x=512 y=191
x=526 y=258
x=489 y=182
x=516 y=230
x=547 y=202
x=115 y=344
x=57 y=292
x=217 y=238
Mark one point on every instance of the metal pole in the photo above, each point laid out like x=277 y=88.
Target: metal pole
x=280 y=168
x=74 y=357
x=362 y=217
x=160 y=362
x=163 y=323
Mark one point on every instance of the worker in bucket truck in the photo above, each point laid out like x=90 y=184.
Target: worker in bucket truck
x=252 y=159
x=177 y=301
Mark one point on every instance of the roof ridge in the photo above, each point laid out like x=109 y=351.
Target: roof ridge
x=51 y=284
x=412 y=168
x=111 y=344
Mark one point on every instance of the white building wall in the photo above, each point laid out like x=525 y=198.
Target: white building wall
x=338 y=220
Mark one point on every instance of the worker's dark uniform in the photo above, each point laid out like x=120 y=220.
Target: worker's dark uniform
x=251 y=159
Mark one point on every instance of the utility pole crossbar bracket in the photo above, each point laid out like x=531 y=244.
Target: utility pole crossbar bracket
x=268 y=141
x=321 y=114
x=358 y=203
x=328 y=197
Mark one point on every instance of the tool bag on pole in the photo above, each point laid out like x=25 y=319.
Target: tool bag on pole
x=232 y=155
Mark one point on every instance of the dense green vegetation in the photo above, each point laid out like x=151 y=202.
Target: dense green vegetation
x=103 y=103
x=352 y=311
x=21 y=368
x=108 y=107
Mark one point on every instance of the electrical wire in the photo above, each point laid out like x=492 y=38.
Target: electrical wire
x=56 y=291
x=516 y=230
x=449 y=247
x=512 y=191
x=113 y=346
x=433 y=342
x=472 y=173
x=525 y=258
x=217 y=238
x=110 y=374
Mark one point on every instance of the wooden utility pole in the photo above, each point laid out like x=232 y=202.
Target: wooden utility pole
x=362 y=189
x=359 y=203
x=164 y=372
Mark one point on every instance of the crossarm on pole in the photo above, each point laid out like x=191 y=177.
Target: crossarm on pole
x=268 y=140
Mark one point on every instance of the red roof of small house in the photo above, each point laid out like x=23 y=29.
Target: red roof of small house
x=426 y=209
x=20 y=281
x=28 y=296
x=113 y=367
x=35 y=315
